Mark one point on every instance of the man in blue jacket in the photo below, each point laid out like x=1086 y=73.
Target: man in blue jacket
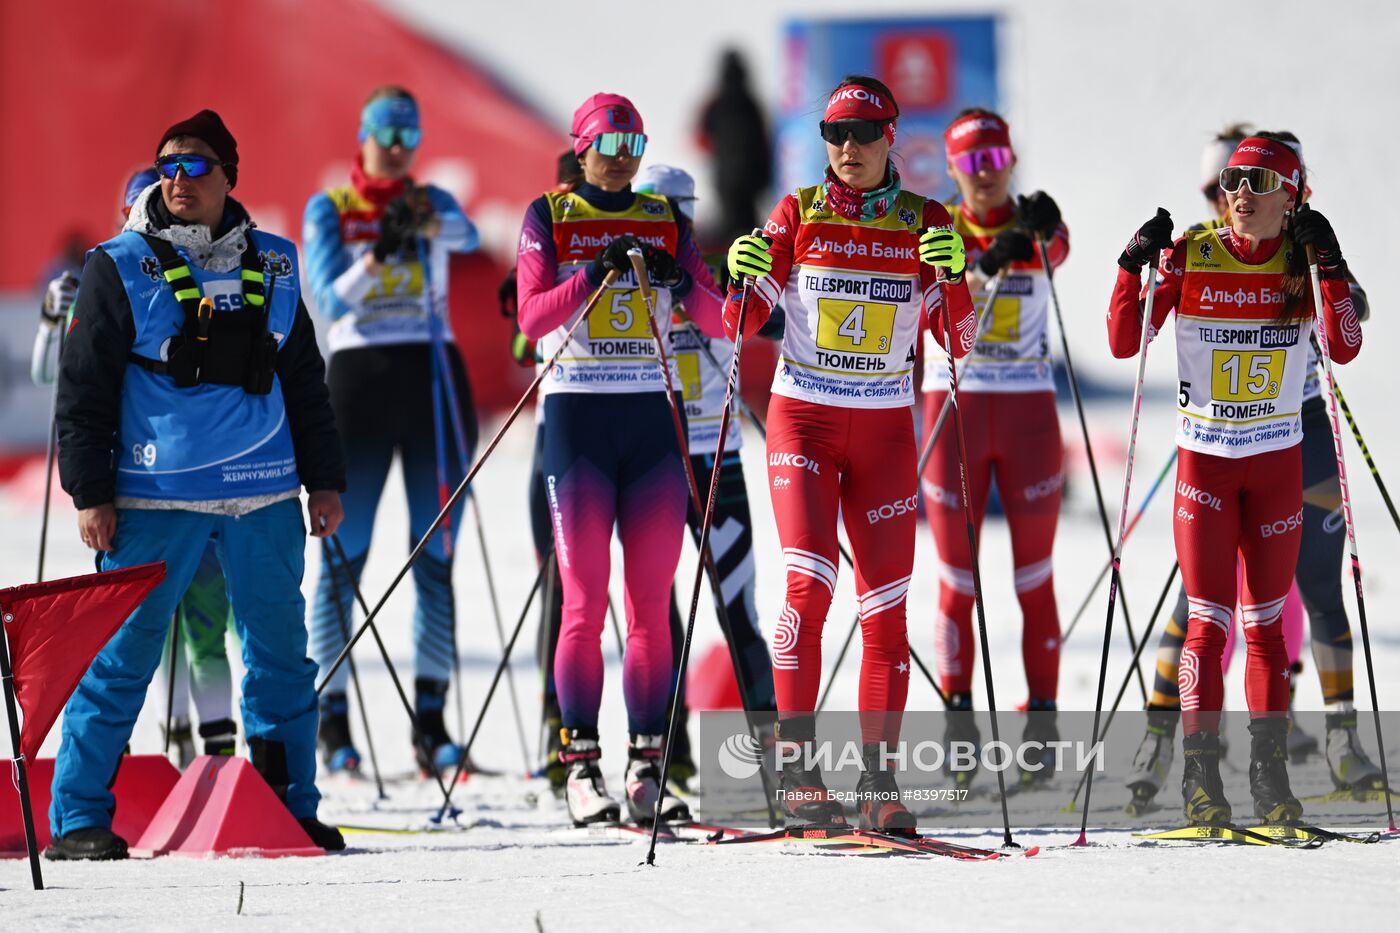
x=192 y=403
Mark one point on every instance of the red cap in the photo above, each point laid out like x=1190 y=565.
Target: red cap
x=603 y=113
x=976 y=131
x=857 y=102
x=1258 y=152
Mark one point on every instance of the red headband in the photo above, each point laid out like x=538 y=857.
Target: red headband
x=1258 y=152
x=976 y=131
x=857 y=102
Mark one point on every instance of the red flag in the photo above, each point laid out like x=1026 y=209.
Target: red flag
x=56 y=628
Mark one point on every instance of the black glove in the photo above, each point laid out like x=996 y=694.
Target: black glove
x=1009 y=246
x=1039 y=214
x=662 y=268
x=614 y=255
x=507 y=296
x=397 y=226
x=1150 y=239
x=1312 y=229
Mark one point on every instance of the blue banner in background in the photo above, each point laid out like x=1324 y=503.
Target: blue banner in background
x=935 y=67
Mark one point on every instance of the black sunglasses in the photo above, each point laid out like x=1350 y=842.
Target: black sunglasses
x=862 y=131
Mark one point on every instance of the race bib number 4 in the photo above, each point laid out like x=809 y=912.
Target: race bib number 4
x=623 y=315
x=1246 y=375
x=854 y=326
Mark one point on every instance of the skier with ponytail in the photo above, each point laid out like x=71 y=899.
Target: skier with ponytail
x=860 y=265
x=1244 y=315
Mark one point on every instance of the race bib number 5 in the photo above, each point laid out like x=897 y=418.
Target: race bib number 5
x=854 y=326
x=623 y=314
x=1246 y=375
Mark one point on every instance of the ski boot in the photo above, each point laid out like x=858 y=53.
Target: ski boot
x=804 y=797
x=1040 y=727
x=1300 y=744
x=1348 y=763
x=1268 y=771
x=878 y=798
x=270 y=761
x=433 y=748
x=338 y=752
x=643 y=782
x=961 y=727
x=1153 y=761
x=584 y=792
x=1201 y=789
x=553 y=769
x=220 y=737
x=90 y=844
x=180 y=744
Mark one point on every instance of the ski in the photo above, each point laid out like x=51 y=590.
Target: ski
x=1227 y=832
x=847 y=837
x=1348 y=795
x=1304 y=831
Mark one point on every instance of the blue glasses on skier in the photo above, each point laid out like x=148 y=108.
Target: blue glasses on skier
x=611 y=144
x=192 y=164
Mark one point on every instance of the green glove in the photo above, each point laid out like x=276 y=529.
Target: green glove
x=748 y=255
x=942 y=246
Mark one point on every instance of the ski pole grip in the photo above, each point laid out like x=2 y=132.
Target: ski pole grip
x=639 y=268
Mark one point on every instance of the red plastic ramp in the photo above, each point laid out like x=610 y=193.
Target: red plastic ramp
x=143 y=783
x=222 y=807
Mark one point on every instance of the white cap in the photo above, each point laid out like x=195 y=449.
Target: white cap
x=1214 y=158
x=671 y=182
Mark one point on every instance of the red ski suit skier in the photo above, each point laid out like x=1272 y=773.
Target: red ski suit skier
x=841 y=433
x=1239 y=473
x=1007 y=397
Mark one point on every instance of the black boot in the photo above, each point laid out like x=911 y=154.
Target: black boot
x=1041 y=726
x=805 y=798
x=92 y=843
x=338 y=752
x=431 y=743
x=270 y=761
x=219 y=736
x=880 y=803
x=1201 y=789
x=1268 y=771
x=961 y=727
x=1153 y=761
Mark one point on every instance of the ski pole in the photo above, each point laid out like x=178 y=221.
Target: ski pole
x=706 y=516
x=1361 y=443
x=972 y=553
x=329 y=561
x=170 y=691
x=1325 y=355
x=617 y=629
x=1108 y=564
x=1128 y=675
x=1113 y=581
x=545 y=568
x=937 y=428
x=1088 y=445
x=49 y=456
x=706 y=559
x=422 y=544
x=383 y=653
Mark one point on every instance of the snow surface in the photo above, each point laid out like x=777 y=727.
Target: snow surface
x=520 y=867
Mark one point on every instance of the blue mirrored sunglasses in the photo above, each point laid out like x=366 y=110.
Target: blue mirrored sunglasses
x=194 y=166
x=388 y=136
x=610 y=144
